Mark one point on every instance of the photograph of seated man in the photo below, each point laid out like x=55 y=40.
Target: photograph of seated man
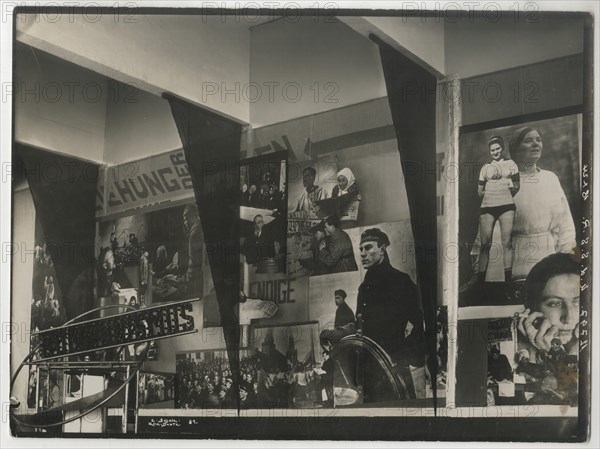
x=332 y=249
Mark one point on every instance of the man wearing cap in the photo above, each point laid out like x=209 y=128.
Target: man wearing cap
x=344 y=314
x=388 y=307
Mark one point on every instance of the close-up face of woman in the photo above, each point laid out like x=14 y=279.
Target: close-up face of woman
x=530 y=148
x=559 y=302
x=342 y=182
x=495 y=151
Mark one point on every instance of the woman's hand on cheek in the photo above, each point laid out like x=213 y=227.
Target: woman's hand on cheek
x=545 y=335
x=540 y=338
x=526 y=326
x=572 y=346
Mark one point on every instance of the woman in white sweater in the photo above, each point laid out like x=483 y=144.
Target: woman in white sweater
x=543 y=222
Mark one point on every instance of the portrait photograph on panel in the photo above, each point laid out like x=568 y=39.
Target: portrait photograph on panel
x=263 y=211
x=160 y=254
x=519 y=202
x=348 y=170
x=349 y=166
x=519 y=221
x=548 y=332
x=371 y=323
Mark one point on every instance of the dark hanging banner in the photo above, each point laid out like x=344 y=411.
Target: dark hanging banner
x=212 y=150
x=412 y=96
x=64 y=194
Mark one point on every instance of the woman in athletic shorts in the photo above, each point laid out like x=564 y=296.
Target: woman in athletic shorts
x=498 y=184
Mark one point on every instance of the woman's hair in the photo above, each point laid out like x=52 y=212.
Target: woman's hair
x=543 y=271
x=517 y=139
x=496 y=139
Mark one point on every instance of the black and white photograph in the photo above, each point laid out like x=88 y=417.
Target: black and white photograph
x=380 y=304
x=321 y=247
x=204 y=380
x=501 y=360
x=156 y=390
x=521 y=207
x=520 y=225
x=340 y=185
x=47 y=309
x=161 y=254
x=283 y=368
x=263 y=209
x=548 y=332
x=312 y=222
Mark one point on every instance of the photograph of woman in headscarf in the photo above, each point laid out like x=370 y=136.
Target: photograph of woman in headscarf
x=347 y=197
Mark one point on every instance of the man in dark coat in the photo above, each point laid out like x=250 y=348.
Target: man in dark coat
x=252 y=196
x=388 y=308
x=388 y=299
x=258 y=244
x=344 y=314
x=499 y=368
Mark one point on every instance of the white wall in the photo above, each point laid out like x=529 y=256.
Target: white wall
x=311 y=54
x=23 y=235
x=480 y=46
x=58 y=106
x=122 y=124
x=421 y=39
x=138 y=124
x=182 y=54
x=473 y=44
